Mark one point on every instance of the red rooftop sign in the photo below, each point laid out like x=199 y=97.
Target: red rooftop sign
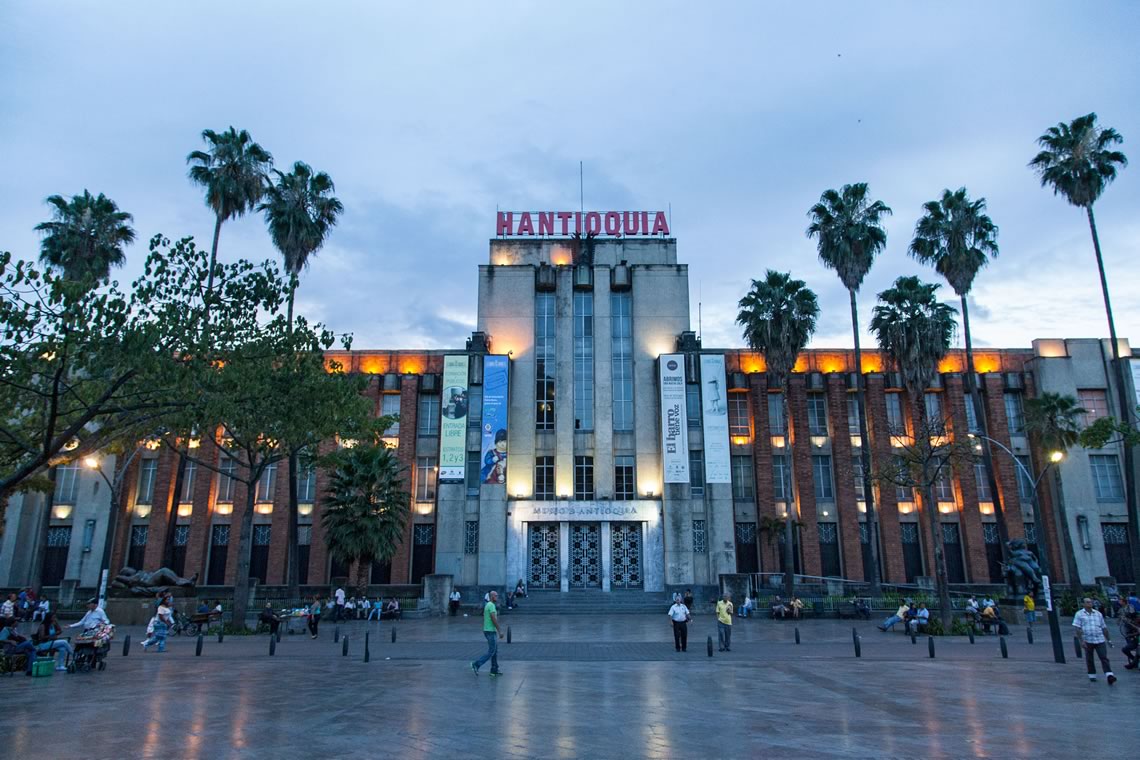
x=615 y=223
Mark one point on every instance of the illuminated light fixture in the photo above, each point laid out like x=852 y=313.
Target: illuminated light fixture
x=856 y=440
x=826 y=513
x=304 y=510
x=348 y=443
x=224 y=509
x=778 y=442
x=906 y=507
x=898 y=441
x=782 y=508
x=425 y=508
x=740 y=440
x=263 y=509
x=819 y=441
x=71 y=445
x=390 y=443
x=1056 y=456
x=948 y=507
x=153 y=444
x=563 y=494
x=986 y=507
x=939 y=440
x=185 y=510
x=91 y=462
x=194 y=443
x=61 y=511
x=862 y=505
x=142 y=510
x=48 y=356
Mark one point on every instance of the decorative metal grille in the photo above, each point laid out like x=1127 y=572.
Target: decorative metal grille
x=990 y=533
x=1114 y=533
x=700 y=537
x=138 y=535
x=221 y=535
x=950 y=533
x=908 y=532
x=423 y=535
x=746 y=533
x=625 y=555
x=543 y=544
x=59 y=536
x=828 y=533
x=1030 y=533
x=181 y=535
x=585 y=555
x=261 y=534
x=471 y=537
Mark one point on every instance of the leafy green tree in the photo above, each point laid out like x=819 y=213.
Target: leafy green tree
x=914 y=330
x=366 y=507
x=1079 y=160
x=85 y=237
x=849 y=231
x=778 y=316
x=958 y=238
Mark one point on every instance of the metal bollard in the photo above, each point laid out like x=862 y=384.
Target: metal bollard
x=393 y=634
x=367 y=654
x=797 y=634
x=221 y=635
x=858 y=646
x=344 y=647
x=710 y=646
x=930 y=645
x=198 y=648
x=336 y=634
x=1004 y=649
x=1077 y=647
x=272 y=645
x=1029 y=633
x=127 y=645
x=970 y=633
x=508 y=634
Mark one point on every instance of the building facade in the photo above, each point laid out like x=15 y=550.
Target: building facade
x=584 y=438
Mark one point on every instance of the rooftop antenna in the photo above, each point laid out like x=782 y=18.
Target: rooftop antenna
x=700 y=290
x=581 y=190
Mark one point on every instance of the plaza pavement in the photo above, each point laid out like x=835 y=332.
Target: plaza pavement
x=584 y=686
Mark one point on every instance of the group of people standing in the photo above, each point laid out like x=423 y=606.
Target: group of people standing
x=680 y=615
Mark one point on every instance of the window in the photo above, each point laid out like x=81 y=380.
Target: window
x=67 y=483
x=426 y=473
x=696 y=473
x=739 y=415
x=944 y=485
x=933 y=403
x=178 y=550
x=147 y=470
x=1031 y=534
x=307 y=485
x=857 y=471
x=896 y=424
x=1024 y=482
x=852 y=415
x=304 y=542
x=259 y=552
x=1015 y=413
x=189 y=472
x=427 y=416
x=700 y=537
x=584 y=361
x=902 y=492
x=1095 y=404
x=830 y=565
x=743 y=487
x=583 y=478
x=972 y=416
x=621 y=311
x=544 y=361
x=226 y=469
x=821 y=477
x=1106 y=477
x=781 y=479
x=776 y=420
x=472 y=472
x=137 y=551
x=390 y=407
x=474 y=406
x=693 y=404
x=625 y=483
x=544 y=478
x=219 y=549
x=983 y=482
x=471 y=537
x=817 y=414
x=267 y=484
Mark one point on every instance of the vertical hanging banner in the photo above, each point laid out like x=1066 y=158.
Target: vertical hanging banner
x=1136 y=379
x=453 y=429
x=493 y=455
x=714 y=412
x=674 y=426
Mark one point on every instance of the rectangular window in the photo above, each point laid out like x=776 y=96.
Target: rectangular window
x=621 y=313
x=781 y=479
x=896 y=423
x=829 y=562
x=472 y=473
x=739 y=415
x=307 y=485
x=852 y=415
x=390 y=407
x=259 y=552
x=267 y=484
x=693 y=404
x=67 y=483
x=743 y=484
x=55 y=555
x=584 y=361
x=817 y=414
x=1094 y=402
x=983 y=482
x=427 y=471
x=219 y=549
x=1106 y=477
x=544 y=478
x=226 y=481
x=544 y=359
x=1024 y=475
x=821 y=477
x=700 y=537
x=972 y=416
x=857 y=471
x=427 y=415
x=902 y=471
x=471 y=537
x=933 y=403
x=147 y=470
x=696 y=473
x=189 y=472
x=625 y=482
x=137 y=551
x=944 y=485
x=776 y=422
x=178 y=550
x=1015 y=413
x=583 y=478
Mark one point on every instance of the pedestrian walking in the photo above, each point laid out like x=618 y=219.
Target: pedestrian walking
x=490 y=631
x=338 y=612
x=159 y=625
x=680 y=616
x=724 y=623
x=1030 y=608
x=1093 y=634
x=315 y=616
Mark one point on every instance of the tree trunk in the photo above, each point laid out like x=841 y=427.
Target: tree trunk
x=865 y=452
x=245 y=540
x=1126 y=415
x=1072 y=570
x=929 y=507
x=792 y=510
x=982 y=418
x=36 y=574
x=292 y=566
x=213 y=258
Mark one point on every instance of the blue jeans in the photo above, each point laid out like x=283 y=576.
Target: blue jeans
x=890 y=622
x=60 y=647
x=158 y=637
x=724 y=635
x=492 y=652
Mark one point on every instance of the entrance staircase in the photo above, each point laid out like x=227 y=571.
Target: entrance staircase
x=593 y=602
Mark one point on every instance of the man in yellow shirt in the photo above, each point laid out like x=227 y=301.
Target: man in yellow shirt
x=724 y=623
x=1030 y=609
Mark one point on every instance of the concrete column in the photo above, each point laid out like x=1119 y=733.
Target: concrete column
x=564 y=385
x=564 y=555
x=607 y=560
x=603 y=385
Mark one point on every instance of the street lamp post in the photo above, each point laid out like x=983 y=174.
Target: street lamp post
x=1043 y=555
x=115 y=486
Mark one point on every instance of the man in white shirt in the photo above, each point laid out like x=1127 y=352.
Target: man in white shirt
x=453 y=602
x=95 y=616
x=339 y=596
x=1093 y=634
x=8 y=608
x=679 y=614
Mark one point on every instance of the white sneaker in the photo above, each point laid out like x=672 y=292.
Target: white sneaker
x=1092 y=678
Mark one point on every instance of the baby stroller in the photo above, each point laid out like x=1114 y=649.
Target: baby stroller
x=91 y=649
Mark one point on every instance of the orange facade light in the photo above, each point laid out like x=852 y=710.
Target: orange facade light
x=872 y=362
x=374 y=364
x=412 y=365
x=829 y=363
x=951 y=363
x=987 y=363
x=752 y=363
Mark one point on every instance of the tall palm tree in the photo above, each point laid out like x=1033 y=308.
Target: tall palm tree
x=848 y=227
x=1055 y=421
x=1078 y=161
x=958 y=238
x=778 y=316
x=914 y=330
x=366 y=508
x=234 y=172
x=85 y=237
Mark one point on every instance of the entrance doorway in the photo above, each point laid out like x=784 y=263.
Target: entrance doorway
x=585 y=555
x=625 y=555
x=542 y=556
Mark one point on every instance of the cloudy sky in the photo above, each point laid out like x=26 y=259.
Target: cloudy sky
x=736 y=116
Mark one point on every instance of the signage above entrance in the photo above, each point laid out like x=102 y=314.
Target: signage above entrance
x=637 y=510
x=566 y=223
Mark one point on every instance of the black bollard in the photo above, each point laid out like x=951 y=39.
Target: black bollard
x=508 y=634
x=797 y=634
x=221 y=635
x=278 y=634
x=930 y=645
x=970 y=633
x=344 y=647
x=710 y=646
x=858 y=646
x=854 y=634
x=336 y=634
x=1004 y=649
x=913 y=638
x=127 y=645
x=1029 y=633
x=393 y=634
x=367 y=654
x=198 y=648
x=1077 y=647
x=272 y=645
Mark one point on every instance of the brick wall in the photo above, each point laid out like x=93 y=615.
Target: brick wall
x=890 y=540
x=406 y=453
x=762 y=469
x=973 y=542
x=842 y=452
x=801 y=453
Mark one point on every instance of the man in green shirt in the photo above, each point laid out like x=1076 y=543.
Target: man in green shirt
x=490 y=630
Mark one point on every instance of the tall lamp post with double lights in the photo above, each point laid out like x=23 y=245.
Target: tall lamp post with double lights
x=115 y=484
x=1055 y=457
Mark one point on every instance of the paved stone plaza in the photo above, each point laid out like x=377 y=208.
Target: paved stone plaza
x=577 y=687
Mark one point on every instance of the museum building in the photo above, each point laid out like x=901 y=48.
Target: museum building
x=585 y=439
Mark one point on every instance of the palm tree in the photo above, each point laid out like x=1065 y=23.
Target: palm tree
x=85 y=237
x=958 y=239
x=850 y=234
x=914 y=330
x=366 y=508
x=234 y=173
x=778 y=316
x=1055 y=421
x=1078 y=161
